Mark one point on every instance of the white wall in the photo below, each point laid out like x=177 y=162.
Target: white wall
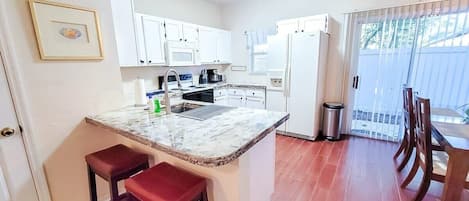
x=58 y=97
x=192 y=11
x=243 y=15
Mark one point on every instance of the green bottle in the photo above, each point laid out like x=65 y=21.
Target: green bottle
x=157 y=105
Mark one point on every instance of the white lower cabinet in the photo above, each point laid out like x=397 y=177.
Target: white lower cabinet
x=236 y=101
x=276 y=101
x=220 y=97
x=256 y=103
x=222 y=100
x=240 y=97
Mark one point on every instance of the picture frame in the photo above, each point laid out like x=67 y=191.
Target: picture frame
x=66 y=32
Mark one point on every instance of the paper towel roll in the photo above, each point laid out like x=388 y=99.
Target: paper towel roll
x=140 y=94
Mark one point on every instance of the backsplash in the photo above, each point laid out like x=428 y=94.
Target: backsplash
x=150 y=75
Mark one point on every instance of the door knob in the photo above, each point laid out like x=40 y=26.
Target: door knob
x=7 y=132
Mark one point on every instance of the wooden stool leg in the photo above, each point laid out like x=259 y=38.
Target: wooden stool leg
x=114 y=191
x=92 y=184
x=204 y=195
x=130 y=197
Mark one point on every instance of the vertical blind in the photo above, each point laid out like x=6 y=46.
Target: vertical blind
x=424 y=46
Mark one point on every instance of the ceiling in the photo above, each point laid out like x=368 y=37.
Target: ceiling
x=221 y=1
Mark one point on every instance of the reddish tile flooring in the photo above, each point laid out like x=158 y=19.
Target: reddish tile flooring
x=354 y=169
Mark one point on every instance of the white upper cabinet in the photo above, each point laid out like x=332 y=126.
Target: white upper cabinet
x=153 y=32
x=288 y=26
x=190 y=32
x=304 y=24
x=150 y=40
x=208 y=45
x=315 y=23
x=141 y=38
x=180 y=31
x=174 y=30
x=123 y=16
x=215 y=46
x=224 y=47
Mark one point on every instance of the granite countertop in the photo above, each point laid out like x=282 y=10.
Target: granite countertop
x=214 y=142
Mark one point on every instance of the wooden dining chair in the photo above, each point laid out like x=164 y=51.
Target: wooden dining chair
x=433 y=163
x=408 y=142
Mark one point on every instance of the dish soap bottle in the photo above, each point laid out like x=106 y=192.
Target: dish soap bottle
x=156 y=105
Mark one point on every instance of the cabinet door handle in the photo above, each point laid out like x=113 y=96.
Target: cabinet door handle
x=185 y=40
x=180 y=39
x=141 y=61
x=296 y=31
x=302 y=30
x=149 y=61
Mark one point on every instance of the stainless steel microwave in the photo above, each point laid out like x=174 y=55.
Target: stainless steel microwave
x=182 y=53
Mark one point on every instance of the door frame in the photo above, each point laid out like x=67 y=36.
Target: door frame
x=12 y=72
x=350 y=64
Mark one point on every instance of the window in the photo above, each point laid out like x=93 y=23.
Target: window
x=258 y=49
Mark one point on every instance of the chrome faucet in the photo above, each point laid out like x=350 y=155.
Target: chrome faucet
x=167 y=102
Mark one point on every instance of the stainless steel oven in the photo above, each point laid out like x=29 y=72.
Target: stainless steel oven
x=205 y=95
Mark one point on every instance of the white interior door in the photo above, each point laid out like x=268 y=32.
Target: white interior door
x=16 y=181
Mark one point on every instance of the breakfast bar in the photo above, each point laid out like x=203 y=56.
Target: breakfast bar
x=234 y=150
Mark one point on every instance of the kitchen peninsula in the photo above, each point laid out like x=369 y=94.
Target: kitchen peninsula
x=234 y=150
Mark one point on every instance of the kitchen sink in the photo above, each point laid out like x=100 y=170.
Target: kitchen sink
x=198 y=112
x=184 y=107
x=178 y=90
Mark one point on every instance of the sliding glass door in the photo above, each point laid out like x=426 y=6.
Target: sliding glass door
x=422 y=46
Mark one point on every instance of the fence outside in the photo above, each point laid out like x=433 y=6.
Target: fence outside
x=439 y=73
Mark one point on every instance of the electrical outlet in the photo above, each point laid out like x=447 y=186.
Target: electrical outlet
x=276 y=82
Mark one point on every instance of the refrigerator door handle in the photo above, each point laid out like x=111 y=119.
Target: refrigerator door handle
x=287 y=72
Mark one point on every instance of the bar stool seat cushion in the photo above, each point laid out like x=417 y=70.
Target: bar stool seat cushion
x=165 y=182
x=115 y=160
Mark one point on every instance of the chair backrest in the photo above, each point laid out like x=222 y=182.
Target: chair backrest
x=408 y=113
x=423 y=133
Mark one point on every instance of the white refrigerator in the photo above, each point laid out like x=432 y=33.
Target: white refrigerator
x=300 y=60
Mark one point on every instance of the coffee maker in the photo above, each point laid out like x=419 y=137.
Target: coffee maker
x=214 y=76
x=203 y=78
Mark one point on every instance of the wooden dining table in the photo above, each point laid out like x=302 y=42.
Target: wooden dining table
x=452 y=133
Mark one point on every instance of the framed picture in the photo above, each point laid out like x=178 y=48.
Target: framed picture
x=66 y=32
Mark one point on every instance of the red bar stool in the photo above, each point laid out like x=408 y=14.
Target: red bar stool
x=165 y=182
x=114 y=164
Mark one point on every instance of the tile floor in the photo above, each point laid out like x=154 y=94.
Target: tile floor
x=354 y=169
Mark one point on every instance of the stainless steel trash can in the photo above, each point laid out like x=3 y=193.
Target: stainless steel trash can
x=332 y=120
